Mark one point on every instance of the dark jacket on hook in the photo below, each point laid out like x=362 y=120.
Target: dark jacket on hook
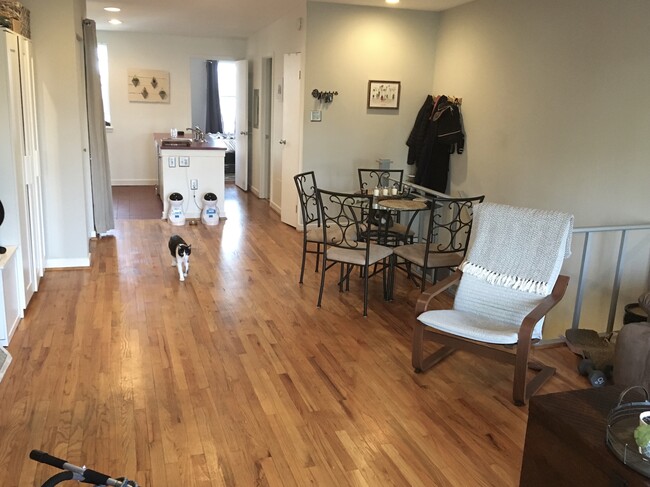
x=436 y=134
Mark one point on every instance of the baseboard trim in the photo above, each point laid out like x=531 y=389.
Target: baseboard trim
x=134 y=182
x=275 y=208
x=53 y=264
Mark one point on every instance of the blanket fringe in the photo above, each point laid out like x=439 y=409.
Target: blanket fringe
x=503 y=280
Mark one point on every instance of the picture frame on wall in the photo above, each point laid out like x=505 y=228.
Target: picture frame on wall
x=148 y=85
x=384 y=94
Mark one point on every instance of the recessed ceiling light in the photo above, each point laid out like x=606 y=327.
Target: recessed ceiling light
x=392 y=1
x=115 y=21
x=112 y=9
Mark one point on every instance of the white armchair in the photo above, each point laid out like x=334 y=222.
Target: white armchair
x=507 y=283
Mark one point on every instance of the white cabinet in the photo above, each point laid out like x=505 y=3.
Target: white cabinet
x=11 y=310
x=20 y=183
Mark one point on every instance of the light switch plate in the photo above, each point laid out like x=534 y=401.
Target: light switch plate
x=171 y=161
x=183 y=161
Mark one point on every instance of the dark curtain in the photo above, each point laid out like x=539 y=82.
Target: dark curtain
x=214 y=122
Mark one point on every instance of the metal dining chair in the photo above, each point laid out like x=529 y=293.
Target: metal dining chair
x=346 y=243
x=369 y=179
x=448 y=231
x=312 y=234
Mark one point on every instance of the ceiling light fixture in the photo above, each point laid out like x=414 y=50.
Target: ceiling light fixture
x=115 y=21
x=392 y=1
x=112 y=9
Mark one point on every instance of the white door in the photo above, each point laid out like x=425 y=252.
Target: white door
x=32 y=161
x=291 y=122
x=241 y=125
x=26 y=255
x=266 y=126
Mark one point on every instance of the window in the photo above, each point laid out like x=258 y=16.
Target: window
x=227 y=95
x=102 y=57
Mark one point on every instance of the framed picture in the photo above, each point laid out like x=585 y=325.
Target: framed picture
x=383 y=94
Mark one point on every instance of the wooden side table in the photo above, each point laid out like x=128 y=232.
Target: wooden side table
x=565 y=441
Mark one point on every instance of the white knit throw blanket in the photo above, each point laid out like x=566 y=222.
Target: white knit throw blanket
x=518 y=248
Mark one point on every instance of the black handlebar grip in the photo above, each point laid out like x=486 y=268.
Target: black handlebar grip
x=41 y=456
x=94 y=477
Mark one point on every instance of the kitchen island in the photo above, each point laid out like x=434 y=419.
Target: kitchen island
x=192 y=169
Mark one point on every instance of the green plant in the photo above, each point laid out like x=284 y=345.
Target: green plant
x=642 y=436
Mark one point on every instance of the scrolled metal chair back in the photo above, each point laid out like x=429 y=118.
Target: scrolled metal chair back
x=343 y=218
x=306 y=186
x=450 y=224
x=373 y=178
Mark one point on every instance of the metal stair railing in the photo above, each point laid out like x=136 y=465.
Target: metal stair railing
x=584 y=264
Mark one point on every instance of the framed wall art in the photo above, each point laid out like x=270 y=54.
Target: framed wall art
x=148 y=85
x=383 y=94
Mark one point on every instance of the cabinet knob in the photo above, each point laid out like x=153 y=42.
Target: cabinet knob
x=283 y=142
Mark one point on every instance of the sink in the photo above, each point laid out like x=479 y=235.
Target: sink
x=176 y=142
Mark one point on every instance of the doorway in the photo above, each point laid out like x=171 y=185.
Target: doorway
x=266 y=127
x=227 y=81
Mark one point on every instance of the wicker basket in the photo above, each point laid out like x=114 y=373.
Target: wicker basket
x=621 y=423
x=18 y=15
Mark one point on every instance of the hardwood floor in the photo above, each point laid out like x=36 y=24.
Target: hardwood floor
x=136 y=203
x=234 y=377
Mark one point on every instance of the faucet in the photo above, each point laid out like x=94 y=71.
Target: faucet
x=199 y=135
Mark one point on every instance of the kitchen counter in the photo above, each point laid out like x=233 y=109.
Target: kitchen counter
x=191 y=170
x=209 y=144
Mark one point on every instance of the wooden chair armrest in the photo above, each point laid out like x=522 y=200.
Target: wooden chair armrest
x=426 y=297
x=542 y=309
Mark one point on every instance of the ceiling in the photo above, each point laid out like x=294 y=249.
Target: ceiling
x=219 y=18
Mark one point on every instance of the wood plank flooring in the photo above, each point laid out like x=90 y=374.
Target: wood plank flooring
x=136 y=203
x=235 y=378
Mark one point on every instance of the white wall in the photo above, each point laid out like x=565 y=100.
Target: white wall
x=57 y=35
x=557 y=116
x=130 y=144
x=346 y=47
x=286 y=35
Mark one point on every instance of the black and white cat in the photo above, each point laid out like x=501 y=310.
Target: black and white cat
x=180 y=251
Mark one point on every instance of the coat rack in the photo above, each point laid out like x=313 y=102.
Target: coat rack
x=324 y=96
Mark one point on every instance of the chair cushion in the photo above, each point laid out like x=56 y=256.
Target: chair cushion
x=358 y=257
x=498 y=307
x=470 y=325
x=415 y=253
x=315 y=234
x=401 y=229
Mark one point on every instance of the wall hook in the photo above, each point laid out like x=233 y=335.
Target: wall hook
x=324 y=96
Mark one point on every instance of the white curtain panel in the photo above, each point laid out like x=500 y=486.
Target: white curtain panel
x=100 y=171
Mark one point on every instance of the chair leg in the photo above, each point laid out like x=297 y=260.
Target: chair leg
x=365 y=292
x=522 y=391
x=416 y=346
x=322 y=282
x=423 y=279
x=384 y=282
x=318 y=252
x=419 y=362
x=302 y=265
